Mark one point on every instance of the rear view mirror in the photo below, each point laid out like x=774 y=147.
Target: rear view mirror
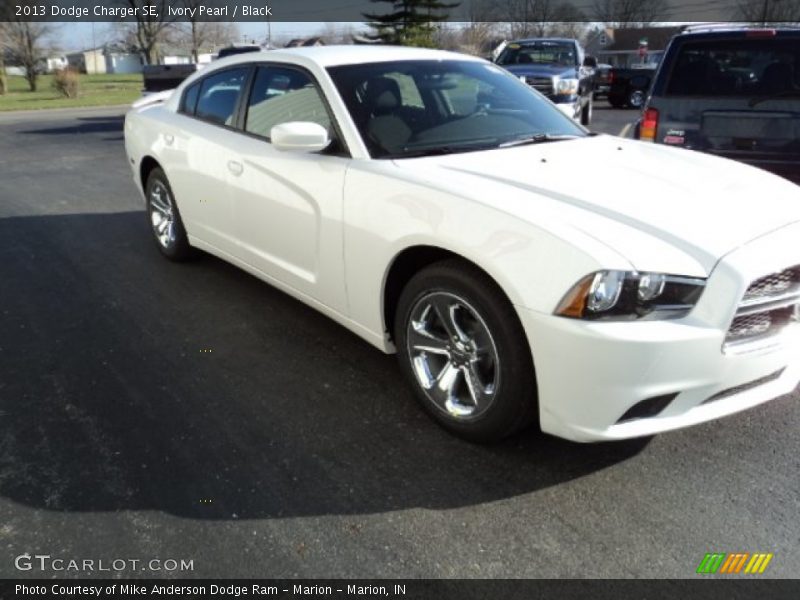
x=590 y=61
x=299 y=136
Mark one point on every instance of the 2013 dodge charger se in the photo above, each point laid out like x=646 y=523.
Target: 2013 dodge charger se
x=439 y=208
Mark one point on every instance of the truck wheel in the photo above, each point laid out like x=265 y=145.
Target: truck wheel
x=586 y=113
x=636 y=99
x=461 y=347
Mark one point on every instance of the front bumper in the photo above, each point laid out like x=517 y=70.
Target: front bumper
x=589 y=374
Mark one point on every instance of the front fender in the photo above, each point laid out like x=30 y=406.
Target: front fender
x=385 y=215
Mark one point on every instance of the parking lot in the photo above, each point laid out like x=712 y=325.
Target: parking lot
x=155 y=410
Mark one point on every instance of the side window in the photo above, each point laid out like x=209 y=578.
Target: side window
x=219 y=94
x=190 y=99
x=280 y=95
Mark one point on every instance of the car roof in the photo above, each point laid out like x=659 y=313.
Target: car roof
x=735 y=30
x=541 y=39
x=329 y=56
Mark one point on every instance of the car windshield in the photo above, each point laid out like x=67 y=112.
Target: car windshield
x=412 y=108
x=745 y=67
x=542 y=53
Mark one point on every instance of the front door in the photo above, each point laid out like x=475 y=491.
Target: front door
x=288 y=208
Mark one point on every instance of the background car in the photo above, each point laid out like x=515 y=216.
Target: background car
x=628 y=87
x=602 y=80
x=732 y=91
x=556 y=67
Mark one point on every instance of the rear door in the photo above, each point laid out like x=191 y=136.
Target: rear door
x=735 y=96
x=205 y=141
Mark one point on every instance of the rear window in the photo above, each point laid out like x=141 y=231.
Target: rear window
x=219 y=94
x=722 y=68
x=190 y=99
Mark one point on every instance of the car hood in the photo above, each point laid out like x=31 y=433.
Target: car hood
x=533 y=70
x=645 y=201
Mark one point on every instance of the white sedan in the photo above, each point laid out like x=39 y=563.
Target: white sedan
x=523 y=269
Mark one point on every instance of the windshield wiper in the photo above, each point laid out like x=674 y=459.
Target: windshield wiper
x=781 y=94
x=537 y=138
x=410 y=152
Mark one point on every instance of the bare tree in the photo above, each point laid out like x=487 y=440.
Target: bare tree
x=769 y=11
x=529 y=17
x=630 y=13
x=534 y=17
x=480 y=29
x=3 y=80
x=205 y=36
x=23 y=41
x=4 y=9
x=199 y=35
x=336 y=33
x=151 y=27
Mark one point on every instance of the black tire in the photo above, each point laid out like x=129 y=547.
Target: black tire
x=173 y=243
x=509 y=381
x=586 y=113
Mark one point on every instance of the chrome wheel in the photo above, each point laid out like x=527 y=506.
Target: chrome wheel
x=453 y=355
x=636 y=99
x=162 y=214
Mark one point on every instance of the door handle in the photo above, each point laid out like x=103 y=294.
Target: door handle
x=235 y=167
x=169 y=138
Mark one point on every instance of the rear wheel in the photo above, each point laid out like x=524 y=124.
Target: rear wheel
x=461 y=347
x=165 y=219
x=636 y=99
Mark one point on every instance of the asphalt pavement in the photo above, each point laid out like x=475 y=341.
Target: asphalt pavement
x=191 y=412
x=614 y=121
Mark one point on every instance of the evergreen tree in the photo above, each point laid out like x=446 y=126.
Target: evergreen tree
x=411 y=23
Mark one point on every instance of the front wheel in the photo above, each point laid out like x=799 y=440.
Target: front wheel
x=586 y=113
x=461 y=347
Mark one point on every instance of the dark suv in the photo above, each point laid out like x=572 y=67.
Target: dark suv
x=733 y=92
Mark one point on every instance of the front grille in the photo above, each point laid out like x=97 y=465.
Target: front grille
x=776 y=284
x=768 y=305
x=759 y=324
x=541 y=84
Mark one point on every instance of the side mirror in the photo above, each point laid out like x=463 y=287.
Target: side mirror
x=590 y=61
x=299 y=136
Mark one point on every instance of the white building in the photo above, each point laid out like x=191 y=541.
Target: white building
x=105 y=60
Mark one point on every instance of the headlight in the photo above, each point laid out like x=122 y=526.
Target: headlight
x=567 y=87
x=627 y=295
